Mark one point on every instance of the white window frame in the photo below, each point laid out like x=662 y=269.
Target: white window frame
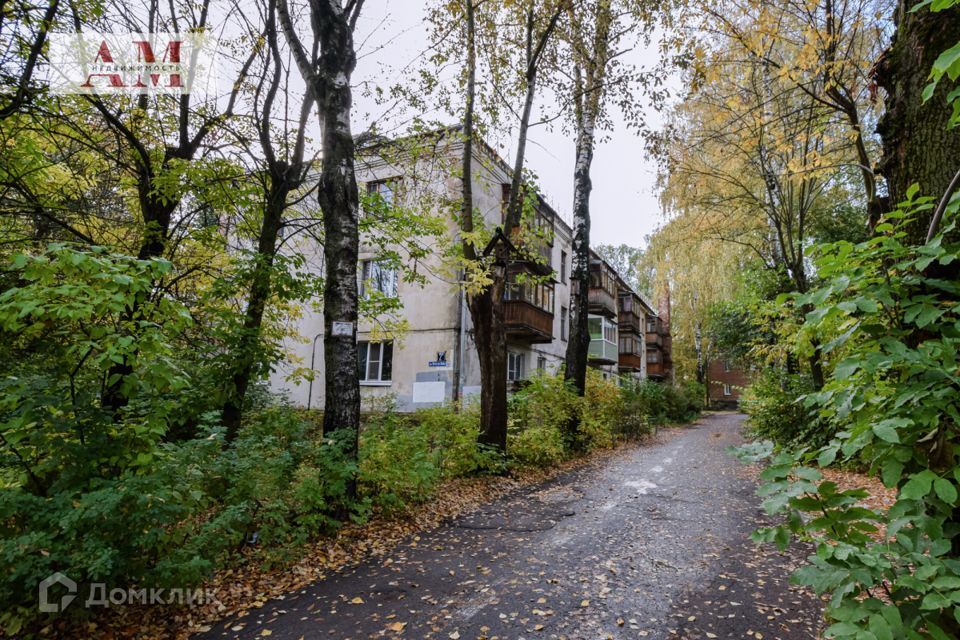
x=515 y=366
x=368 y=346
x=727 y=391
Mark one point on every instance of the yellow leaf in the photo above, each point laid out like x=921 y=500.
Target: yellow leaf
x=357 y=600
x=396 y=626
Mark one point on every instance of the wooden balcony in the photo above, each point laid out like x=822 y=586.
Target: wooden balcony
x=630 y=321
x=631 y=361
x=602 y=303
x=602 y=297
x=656 y=370
x=654 y=340
x=527 y=322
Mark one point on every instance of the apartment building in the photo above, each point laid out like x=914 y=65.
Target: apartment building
x=434 y=360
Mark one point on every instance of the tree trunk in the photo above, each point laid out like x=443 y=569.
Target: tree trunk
x=578 y=345
x=917 y=145
x=339 y=202
x=490 y=337
x=244 y=361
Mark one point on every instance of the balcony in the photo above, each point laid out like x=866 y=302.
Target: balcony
x=527 y=322
x=656 y=370
x=603 y=341
x=630 y=321
x=631 y=361
x=654 y=340
x=602 y=296
x=528 y=310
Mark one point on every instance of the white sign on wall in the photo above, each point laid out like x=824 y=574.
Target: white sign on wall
x=424 y=392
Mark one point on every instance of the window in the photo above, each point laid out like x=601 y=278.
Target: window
x=384 y=189
x=726 y=365
x=377 y=277
x=563 y=323
x=375 y=361
x=541 y=363
x=727 y=391
x=514 y=366
x=651 y=325
x=539 y=295
x=563 y=266
x=653 y=357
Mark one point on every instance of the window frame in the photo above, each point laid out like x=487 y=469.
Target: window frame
x=384 y=356
x=366 y=274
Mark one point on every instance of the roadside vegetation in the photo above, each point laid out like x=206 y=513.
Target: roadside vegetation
x=812 y=171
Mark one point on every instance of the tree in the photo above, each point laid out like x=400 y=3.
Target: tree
x=284 y=171
x=488 y=264
x=822 y=49
x=328 y=79
x=597 y=34
x=920 y=145
x=626 y=261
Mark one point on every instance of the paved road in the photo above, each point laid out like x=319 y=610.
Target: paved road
x=651 y=544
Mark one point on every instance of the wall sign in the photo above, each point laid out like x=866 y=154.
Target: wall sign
x=342 y=329
x=441 y=360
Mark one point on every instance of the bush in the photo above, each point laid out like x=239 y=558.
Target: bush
x=774 y=404
x=403 y=457
x=601 y=412
x=539 y=414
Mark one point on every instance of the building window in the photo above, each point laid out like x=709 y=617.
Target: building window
x=541 y=363
x=514 y=366
x=540 y=295
x=375 y=361
x=727 y=391
x=563 y=267
x=726 y=366
x=375 y=276
x=651 y=325
x=653 y=357
x=384 y=189
x=563 y=323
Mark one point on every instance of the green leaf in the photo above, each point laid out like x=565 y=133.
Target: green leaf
x=918 y=486
x=886 y=431
x=892 y=470
x=945 y=490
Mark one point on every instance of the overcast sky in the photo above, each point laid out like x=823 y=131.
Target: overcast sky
x=623 y=205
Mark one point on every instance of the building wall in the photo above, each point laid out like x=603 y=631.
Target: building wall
x=721 y=380
x=433 y=311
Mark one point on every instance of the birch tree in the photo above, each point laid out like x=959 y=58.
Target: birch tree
x=326 y=67
x=515 y=71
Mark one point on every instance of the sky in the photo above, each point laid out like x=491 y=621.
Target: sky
x=624 y=207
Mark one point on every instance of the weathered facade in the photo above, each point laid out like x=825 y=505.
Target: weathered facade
x=725 y=383
x=434 y=360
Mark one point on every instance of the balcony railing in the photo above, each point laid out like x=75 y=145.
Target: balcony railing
x=602 y=302
x=603 y=351
x=655 y=370
x=527 y=322
x=631 y=361
x=654 y=339
x=630 y=321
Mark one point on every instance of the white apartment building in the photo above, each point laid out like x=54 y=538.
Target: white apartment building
x=434 y=360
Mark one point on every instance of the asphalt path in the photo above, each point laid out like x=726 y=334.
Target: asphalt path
x=651 y=543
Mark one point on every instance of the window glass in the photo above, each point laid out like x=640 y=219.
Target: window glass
x=373 y=362
x=596 y=328
x=362 y=359
x=386 y=366
x=378 y=277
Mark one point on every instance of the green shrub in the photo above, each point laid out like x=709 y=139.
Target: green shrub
x=774 y=404
x=602 y=412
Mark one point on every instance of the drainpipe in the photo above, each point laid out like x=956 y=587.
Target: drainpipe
x=313 y=359
x=458 y=370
